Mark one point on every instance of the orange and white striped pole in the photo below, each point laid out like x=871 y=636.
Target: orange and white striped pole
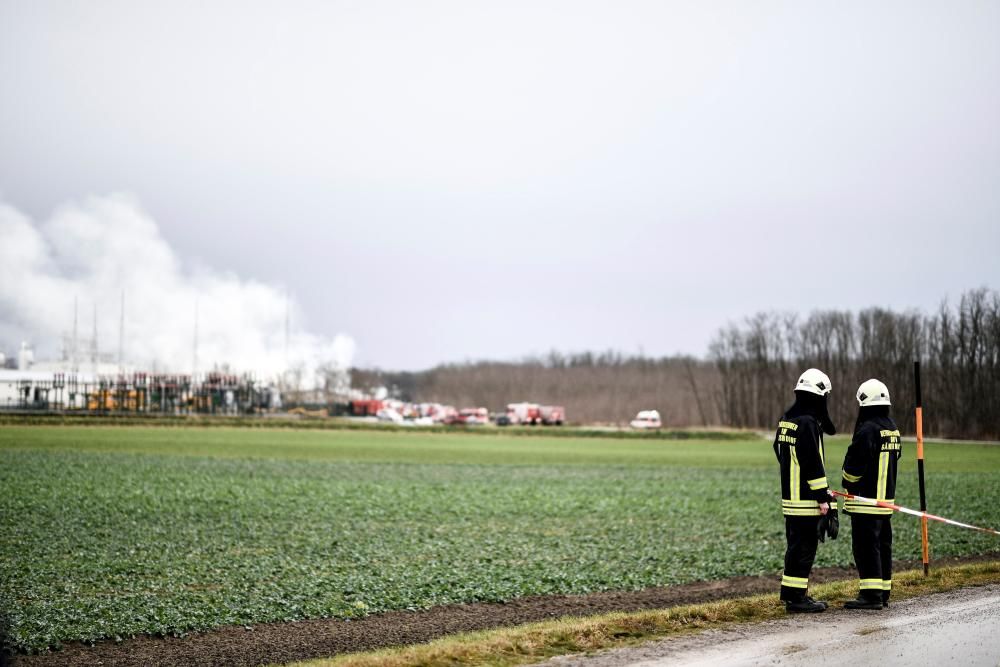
x=924 y=543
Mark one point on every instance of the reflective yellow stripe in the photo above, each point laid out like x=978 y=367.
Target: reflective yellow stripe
x=867 y=509
x=864 y=504
x=822 y=451
x=791 y=426
x=871 y=584
x=887 y=584
x=883 y=475
x=794 y=511
x=817 y=484
x=851 y=478
x=855 y=507
x=794 y=475
x=794 y=582
x=799 y=503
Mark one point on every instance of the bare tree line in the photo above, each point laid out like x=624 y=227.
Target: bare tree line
x=959 y=347
x=604 y=387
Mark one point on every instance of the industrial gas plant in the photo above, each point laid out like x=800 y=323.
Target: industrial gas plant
x=98 y=385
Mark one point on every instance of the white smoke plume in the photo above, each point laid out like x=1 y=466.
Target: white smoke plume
x=90 y=251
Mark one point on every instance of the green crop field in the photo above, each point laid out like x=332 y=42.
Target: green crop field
x=110 y=532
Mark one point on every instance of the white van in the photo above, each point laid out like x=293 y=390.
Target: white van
x=647 y=419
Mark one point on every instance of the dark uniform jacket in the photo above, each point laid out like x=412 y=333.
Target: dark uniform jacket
x=798 y=444
x=870 y=465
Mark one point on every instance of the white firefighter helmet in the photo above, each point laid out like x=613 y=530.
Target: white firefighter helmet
x=873 y=392
x=814 y=381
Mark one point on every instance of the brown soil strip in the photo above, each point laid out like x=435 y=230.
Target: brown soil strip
x=286 y=642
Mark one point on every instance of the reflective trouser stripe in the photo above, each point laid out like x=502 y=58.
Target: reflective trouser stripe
x=851 y=478
x=887 y=584
x=871 y=585
x=794 y=582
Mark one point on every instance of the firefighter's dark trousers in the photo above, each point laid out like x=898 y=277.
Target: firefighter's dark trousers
x=800 y=533
x=871 y=541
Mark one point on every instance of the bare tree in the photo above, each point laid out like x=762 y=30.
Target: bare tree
x=960 y=348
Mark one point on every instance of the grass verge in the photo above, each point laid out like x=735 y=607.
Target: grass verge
x=535 y=642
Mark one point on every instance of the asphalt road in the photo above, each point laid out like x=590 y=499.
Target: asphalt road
x=957 y=628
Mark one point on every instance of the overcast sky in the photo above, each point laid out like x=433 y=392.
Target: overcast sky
x=461 y=180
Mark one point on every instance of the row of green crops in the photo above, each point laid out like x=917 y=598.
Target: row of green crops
x=114 y=532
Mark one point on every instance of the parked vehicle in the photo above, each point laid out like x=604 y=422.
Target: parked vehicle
x=524 y=413
x=389 y=415
x=366 y=407
x=473 y=416
x=553 y=415
x=647 y=419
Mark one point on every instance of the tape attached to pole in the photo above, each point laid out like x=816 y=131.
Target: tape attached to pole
x=907 y=510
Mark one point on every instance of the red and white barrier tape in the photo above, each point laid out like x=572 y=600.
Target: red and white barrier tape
x=907 y=510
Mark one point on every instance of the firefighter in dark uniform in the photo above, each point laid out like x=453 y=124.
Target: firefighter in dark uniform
x=870 y=471
x=805 y=498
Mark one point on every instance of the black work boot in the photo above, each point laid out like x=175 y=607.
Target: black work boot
x=804 y=605
x=822 y=602
x=864 y=603
x=885 y=599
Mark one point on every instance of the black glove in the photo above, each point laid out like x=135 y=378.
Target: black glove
x=832 y=523
x=828 y=524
